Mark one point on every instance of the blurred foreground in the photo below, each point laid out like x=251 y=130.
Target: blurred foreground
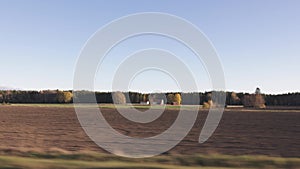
x=100 y=161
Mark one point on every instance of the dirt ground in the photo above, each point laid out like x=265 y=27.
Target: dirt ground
x=241 y=132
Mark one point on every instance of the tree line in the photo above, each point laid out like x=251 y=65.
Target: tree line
x=194 y=98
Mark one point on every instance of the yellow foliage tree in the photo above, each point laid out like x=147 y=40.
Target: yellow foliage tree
x=64 y=97
x=177 y=98
x=119 y=98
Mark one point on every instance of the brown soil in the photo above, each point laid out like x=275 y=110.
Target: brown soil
x=251 y=132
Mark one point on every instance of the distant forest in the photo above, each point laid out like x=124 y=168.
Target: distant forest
x=57 y=96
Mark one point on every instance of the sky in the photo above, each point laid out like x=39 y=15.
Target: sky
x=258 y=42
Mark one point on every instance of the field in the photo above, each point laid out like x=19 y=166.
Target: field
x=50 y=135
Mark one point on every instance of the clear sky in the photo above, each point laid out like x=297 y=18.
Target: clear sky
x=258 y=42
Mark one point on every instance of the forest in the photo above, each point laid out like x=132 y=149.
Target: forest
x=195 y=98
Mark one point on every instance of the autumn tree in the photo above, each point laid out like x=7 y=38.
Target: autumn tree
x=256 y=100
x=177 y=98
x=234 y=99
x=208 y=104
x=64 y=96
x=119 y=98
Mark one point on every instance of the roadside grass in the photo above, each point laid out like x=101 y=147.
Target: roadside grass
x=92 y=160
x=271 y=109
x=138 y=106
x=112 y=106
x=43 y=105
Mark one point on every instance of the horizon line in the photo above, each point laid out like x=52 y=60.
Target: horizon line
x=133 y=91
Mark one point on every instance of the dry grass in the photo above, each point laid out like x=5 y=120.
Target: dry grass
x=96 y=160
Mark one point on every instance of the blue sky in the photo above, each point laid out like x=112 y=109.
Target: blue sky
x=257 y=42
